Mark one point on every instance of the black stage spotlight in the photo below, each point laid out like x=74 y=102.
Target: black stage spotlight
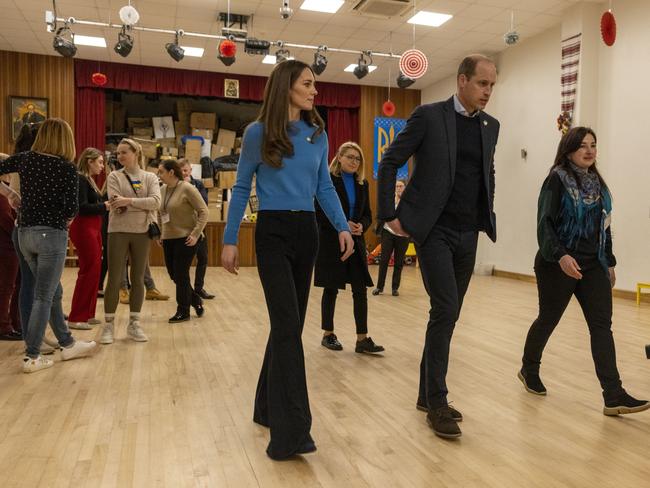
x=65 y=47
x=174 y=50
x=362 y=67
x=404 y=81
x=282 y=55
x=124 y=42
x=256 y=46
x=320 y=61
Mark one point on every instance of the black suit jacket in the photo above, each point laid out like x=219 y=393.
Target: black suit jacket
x=330 y=271
x=430 y=135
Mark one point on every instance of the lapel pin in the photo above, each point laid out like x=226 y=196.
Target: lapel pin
x=485 y=122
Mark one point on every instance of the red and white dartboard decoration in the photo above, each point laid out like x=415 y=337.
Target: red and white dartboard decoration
x=413 y=63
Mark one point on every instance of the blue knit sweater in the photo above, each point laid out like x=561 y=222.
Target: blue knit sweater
x=302 y=177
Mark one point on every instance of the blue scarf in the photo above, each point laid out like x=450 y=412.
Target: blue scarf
x=582 y=208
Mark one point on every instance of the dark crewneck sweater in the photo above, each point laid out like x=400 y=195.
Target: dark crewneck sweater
x=466 y=209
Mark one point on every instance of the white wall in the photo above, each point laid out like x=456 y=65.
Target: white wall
x=527 y=101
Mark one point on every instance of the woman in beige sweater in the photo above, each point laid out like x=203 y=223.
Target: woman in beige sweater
x=183 y=215
x=134 y=196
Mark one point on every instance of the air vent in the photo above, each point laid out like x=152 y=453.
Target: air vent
x=384 y=9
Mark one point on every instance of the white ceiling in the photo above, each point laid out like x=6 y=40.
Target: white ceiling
x=477 y=26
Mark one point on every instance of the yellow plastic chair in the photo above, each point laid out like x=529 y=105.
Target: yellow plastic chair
x=639 y=287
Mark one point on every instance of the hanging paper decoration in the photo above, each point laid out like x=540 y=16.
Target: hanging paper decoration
x=608 y=28
x=564 y=122
x=569 y=79
x=413 y=63
x=99 y=79
x=227 y=48
x=388 y=108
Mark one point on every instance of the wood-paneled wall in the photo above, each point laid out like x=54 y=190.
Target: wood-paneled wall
x=34 y=75
x=372 y=99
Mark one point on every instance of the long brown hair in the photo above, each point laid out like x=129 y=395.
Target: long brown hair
x=335 y=165
x=275 y=112
x=89 y=154
x=570 y=143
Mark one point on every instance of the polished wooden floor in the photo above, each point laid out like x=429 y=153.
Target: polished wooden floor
x=176 y=411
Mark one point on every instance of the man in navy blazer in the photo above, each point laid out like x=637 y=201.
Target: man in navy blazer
x=447 y=202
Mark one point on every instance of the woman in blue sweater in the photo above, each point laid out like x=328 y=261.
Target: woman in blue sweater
x=286 y=148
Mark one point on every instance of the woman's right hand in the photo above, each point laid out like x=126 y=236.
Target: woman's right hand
x=230 y=258
x=570 y=267
x=107 y=204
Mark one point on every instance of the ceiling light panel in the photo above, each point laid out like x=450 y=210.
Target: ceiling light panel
x=89 y=41
x=195 y=52
x=326 y=6
x=431 y=19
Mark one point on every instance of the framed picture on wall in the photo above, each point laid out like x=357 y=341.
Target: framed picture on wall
x=231 y=88
x=26 y=111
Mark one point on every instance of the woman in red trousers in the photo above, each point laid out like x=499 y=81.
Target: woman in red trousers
x=86 y=235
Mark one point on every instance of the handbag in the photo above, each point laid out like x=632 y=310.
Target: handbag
x=153 y=231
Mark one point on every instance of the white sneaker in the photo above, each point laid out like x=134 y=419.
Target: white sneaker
x=47 y=349
x=77 y=350
x=32 y=365
x=94 y=321
x=80 y=325
x=134 y=331
x=107 y=333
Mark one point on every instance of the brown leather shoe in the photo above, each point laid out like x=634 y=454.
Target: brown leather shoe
x=455 y=414
x=442 y=423
x=154 y=294
x=124 y=295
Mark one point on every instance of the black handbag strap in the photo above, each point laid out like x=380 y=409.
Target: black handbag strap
x=130 y=182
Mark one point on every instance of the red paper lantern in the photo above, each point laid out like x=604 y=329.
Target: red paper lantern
x=388 y=108
x=608 y=28
x=227 y=48
x=99 y=79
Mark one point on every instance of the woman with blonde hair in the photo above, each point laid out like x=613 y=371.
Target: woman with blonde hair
x=347 y=171
x=86 y=235
x=134 y=196
x=286 y=148
x=49 y=194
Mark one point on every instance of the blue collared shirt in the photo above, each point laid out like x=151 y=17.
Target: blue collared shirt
x=458 y=107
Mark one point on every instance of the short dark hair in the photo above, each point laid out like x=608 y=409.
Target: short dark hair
x=172 y=165
x=467 y=66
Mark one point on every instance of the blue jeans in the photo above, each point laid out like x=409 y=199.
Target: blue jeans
x=43 y=249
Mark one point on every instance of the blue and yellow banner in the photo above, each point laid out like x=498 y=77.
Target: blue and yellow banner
x=386 y=129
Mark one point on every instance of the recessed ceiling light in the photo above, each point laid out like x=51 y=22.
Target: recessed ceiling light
x=195 y=52
x=350 y=68
x=89 y=41
x=432 y=19
x=327 y=6
x=270 y=59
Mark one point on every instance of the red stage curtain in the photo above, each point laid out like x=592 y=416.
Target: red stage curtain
x=149 y=79
x=90 y=105
x=343 y=126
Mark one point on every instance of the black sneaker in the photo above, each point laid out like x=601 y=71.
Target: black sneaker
x=455 y=414
x=442 y=423
x=532 y=383
x=625 y=404
x=179 y=317
x=331 y=342
x=377 y=291
x=395 y=293
x=368 y=346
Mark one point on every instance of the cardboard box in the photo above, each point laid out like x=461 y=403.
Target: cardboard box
x=224 y=211
x=148 y=147
x=196 y=171
x=171 y=152
x=207 y=134
x=193 y=152
x=226 y=138
x=226 y=179
x=143 y=132
x=182 y=128
x=139 y=122
x=200 y=120
x=219 y=151
x=208 y=182
x=169 y=142
x=237 y=142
